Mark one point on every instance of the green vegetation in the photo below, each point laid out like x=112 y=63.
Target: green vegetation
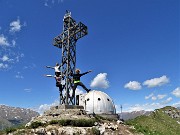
x=77 y=122
x=100 y=118
x=95 y=131
x=53 y=122
x=36 y=124
x=157 y=123
x=67 y=122
x=10 y=130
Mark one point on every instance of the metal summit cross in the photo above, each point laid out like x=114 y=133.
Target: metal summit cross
x=67 y=42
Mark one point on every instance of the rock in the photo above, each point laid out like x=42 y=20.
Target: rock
x=28 y=124
x=96 y=124
x=132 y=127
x=176 y=115
x=173 y=113
x=120 y=122
x=110 y=126
x=49 y=133
x=75 y=117
x=51 y=127
x=102 y=130
x=41 y=131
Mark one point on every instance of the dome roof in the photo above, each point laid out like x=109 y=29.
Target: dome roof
x=99 y=102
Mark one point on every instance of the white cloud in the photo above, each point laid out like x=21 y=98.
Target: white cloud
x=3 y=66
x=133 y=85
x=5 y=58
x=46 y=3
x=147 y=97
x=10 y=55
x=46 y=107
x=77 y=92
x=27 y=90
x=176 y=92
x=136 y=108
x=153 y=98
x=3 y=41
x=15 y=26
x=49 y=3
x=30 y=66
x=146 y=107
x=161 y=96
x=100 y=81
x=19 y=76
x=156 y=81
x=167 y=100
x=19 y=56
x=13 y=42
x=149 y=106
x=176 y=104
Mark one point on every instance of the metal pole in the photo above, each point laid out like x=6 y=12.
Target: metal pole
x=67 y=72
x=121 y=112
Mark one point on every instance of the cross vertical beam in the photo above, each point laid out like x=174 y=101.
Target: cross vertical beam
x=66 y=41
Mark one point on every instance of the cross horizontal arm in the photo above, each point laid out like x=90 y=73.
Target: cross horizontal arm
x=76 y=32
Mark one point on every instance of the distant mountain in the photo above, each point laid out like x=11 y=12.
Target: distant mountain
x=164 y=121
x=131 y=115
x=14 y=116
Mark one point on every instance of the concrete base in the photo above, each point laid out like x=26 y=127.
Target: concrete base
x=67 y=107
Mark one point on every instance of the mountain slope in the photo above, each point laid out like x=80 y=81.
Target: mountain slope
x=131 y=115
x=14 y=116
x=164 y=121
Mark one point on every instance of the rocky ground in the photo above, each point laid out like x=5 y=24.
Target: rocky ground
x=48 y=124
x=101 y=129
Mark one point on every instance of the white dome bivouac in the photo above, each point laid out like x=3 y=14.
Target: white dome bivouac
x=97 y=102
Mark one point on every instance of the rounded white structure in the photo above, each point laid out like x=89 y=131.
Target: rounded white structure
x=98 y=102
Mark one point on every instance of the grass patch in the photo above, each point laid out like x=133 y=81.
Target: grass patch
x=83 y=122
x=36 y=124
x=77 y=122
x=95 y=131
x=53 y=122
x=10 y=130
x=100 y=118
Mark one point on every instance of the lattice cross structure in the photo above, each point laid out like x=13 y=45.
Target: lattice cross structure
x=66 y=41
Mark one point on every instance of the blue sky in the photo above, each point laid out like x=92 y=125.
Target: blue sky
x=133 y=48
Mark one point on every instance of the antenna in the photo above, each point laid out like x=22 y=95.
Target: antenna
x=121 y=117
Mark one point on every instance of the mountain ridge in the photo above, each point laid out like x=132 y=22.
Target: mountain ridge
x=15 y=116
x=163 y=121
x=131 y=115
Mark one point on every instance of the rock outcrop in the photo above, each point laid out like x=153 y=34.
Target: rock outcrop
x=58 y=121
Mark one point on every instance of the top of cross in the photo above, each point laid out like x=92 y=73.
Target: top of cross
x=68 y=14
